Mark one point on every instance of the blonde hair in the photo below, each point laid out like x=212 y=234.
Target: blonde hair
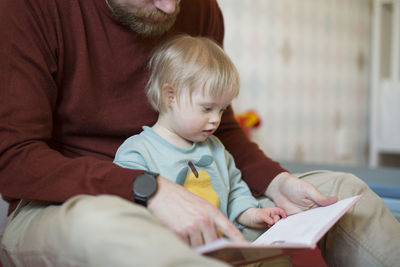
x=186 y=63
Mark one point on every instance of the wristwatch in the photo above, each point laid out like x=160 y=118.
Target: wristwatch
x=144 y=186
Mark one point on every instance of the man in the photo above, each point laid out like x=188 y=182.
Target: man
x=72 y=77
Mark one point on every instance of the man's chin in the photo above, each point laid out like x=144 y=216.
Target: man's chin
x=151 y=29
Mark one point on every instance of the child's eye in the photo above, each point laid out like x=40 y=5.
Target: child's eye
x=206 y=108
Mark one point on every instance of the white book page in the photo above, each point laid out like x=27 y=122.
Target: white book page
x=300 y=230
x=305 y=228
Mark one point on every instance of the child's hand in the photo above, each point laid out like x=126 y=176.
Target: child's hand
x=261 y=217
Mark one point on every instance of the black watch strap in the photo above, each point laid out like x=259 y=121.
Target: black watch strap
x=144 y=186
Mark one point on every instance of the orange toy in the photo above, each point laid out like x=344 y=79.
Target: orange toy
x=248 y=120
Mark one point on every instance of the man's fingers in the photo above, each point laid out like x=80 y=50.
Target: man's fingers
x=327 y=200
x=183 y=237
x=210 y=234
x=321 y=199
x=196 y=239
x=228 y=229
x=195 y=224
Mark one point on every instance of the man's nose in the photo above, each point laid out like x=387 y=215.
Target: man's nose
x=166 y=6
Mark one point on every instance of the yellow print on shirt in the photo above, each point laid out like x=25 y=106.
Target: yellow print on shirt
x=201 y=186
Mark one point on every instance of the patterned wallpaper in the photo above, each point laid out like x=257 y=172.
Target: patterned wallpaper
x=304 y=70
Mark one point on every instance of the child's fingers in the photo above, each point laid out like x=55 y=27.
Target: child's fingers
x=282 y=213
x=276 y=218
x=269 y=220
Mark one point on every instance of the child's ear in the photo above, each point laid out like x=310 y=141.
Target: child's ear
x=169 y=94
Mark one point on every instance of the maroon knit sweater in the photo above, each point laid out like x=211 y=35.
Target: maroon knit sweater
x=72 y=90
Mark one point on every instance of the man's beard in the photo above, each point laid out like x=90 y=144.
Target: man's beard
x=147 y=23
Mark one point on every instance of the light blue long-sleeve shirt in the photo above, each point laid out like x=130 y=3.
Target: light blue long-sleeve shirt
x=149 y=151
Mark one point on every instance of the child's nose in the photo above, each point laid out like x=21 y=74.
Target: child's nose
x=215 y=117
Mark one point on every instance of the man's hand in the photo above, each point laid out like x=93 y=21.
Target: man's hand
x=294 y=195
x=191 y=217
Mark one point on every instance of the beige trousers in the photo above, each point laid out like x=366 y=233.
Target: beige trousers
x=109 y=231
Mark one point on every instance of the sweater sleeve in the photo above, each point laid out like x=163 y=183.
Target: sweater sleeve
x=29 y=166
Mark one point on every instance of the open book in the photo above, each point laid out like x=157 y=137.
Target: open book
x=290 y=235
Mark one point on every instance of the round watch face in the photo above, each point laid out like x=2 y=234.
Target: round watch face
x=145 y=185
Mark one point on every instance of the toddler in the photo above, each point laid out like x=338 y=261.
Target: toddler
x=191 y=84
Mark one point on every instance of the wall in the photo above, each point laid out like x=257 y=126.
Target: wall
x=304 y=69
